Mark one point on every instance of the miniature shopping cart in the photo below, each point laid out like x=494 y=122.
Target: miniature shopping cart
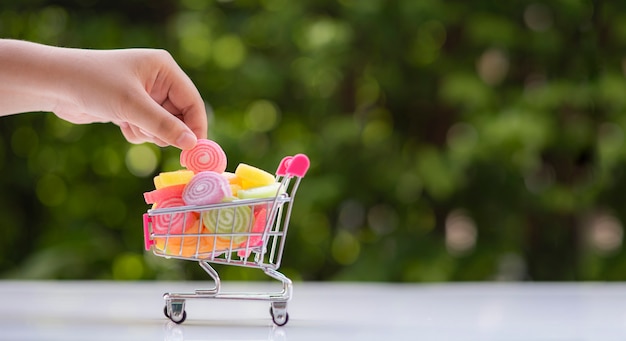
x=259 y=246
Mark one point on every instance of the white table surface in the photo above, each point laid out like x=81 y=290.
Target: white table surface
x=93 y=310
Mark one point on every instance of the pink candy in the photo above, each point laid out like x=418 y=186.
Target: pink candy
x=207 y=155
x=173 y=223
x=256 y=238
x=164 y=193
x=205 y=188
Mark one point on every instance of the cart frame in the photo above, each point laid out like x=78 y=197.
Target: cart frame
x=265 y=253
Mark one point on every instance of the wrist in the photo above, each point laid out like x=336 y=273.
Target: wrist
x=31 y=77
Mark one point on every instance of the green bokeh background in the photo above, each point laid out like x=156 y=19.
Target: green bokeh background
x=450 y=140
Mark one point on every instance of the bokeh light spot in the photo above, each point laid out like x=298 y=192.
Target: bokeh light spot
x=141 y=160
x=64 y=130
x=128 y=266
x=229 y=52
x=50 y=23
x=261 y=116
x=604 y=233
x=428 y=41
x=375 y=132
x=195 y=40
x=317 y=228
x=106 y=161
x=493 y=66
x=345 y=248
x=382 y=219
x=461 y=233
x=462 y=136
x=51 y=190
x=538 y=17
x=321 y=33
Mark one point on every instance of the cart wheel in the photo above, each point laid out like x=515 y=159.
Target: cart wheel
x=281 y=317
x=178 y=319
x=176 y=311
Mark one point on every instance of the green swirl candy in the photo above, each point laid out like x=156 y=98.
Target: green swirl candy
x=226 y=221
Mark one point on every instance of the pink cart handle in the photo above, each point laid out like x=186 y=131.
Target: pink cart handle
x=282 y=167
x=299 y=165
x=296 y=165
x=146 y=232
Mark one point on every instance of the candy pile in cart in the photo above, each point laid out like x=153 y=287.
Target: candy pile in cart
x=205 y=181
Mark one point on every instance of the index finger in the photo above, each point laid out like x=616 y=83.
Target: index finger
x=187 y=103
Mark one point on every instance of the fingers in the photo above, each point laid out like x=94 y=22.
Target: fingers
x=195 y=119
x=157 y=124
x=136 y=135
x=183 y=99
x=168 y=108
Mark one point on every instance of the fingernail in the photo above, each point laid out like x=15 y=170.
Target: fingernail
x=186 y=140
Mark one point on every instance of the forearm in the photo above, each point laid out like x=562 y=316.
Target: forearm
x=30 y=77
x=143 y=91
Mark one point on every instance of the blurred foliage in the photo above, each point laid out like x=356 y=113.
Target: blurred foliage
x=450 y=140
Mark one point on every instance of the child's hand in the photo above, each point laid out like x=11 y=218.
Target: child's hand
x=143 y=91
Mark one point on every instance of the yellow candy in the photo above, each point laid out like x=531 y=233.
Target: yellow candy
x=178 y=177
x=261 y=192
x=232 y=178
x=234 y=189
x=253 y=177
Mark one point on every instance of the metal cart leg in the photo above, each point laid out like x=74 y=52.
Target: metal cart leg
x=214 y=275
x=285 y=295
x=278 y=305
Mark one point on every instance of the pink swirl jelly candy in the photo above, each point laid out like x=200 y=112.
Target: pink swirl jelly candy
x=207 y=155
x=205 y=188
x=176 y=244
x=161 y=194
x=173 y=223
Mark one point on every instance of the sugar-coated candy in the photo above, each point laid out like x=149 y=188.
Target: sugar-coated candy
x=267 y=191
x=256 y=237
x=175 y=222
x=177 y=177
x=206 y=155
x=183 y=243
x=163 y=193
x=234 y=181
x=232 y=178
x=195 y=241
x=253 y=177
x=206 y=187
x=212 y=245
x=234 y=189
x=229 y=222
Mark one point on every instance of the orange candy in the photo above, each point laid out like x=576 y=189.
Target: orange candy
x=195 y=241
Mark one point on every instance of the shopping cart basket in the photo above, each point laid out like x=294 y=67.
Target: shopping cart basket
x=259 y=245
